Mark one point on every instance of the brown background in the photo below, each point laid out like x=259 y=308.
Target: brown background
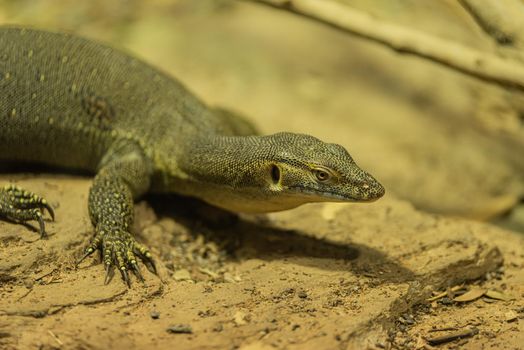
x=441 y=142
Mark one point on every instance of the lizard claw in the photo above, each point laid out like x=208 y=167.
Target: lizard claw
x=137 y=272
x=152 y=267
x=43 y=234
x=125 y=277
x=49 y=209
x=95 y=244
x=110 y=272
x=87 y=253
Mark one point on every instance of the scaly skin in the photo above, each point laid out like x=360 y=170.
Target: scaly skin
x=73 y=103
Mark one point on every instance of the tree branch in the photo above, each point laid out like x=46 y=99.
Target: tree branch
x=481 y=65
x=501 y=19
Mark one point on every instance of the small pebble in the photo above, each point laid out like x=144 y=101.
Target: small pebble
x=182 y=275
x=511 y=316
x=241 y=318
x=218 y=327
x=409 y=319
x=446 y=301
x=155 y=315
x=180 y=329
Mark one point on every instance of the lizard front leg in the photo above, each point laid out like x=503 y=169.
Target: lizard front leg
x=19 y=205
x=124 y=175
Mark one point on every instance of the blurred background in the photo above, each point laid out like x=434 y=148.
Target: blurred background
x=446 y=142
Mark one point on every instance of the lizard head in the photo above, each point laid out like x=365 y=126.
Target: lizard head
x=275 y=172
x=303 y=169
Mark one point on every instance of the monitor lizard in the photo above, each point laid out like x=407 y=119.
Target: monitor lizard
x=74 y=103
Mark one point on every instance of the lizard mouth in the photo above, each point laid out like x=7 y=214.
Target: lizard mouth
x=329 y=195
x=335 y=196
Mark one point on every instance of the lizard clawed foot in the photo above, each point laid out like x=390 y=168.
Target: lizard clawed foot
x=20 y=205
x=119 y=249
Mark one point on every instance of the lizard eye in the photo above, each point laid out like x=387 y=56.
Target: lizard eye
x=321 y=175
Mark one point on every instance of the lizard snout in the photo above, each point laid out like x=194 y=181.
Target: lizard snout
x=373 y=190
x=369 y=189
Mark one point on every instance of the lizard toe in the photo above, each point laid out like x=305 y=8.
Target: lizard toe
x=146 y=257
x=94 y=245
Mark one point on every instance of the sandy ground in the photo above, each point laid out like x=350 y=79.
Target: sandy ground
x=321 y=276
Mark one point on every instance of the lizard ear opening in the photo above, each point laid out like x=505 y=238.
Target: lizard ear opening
x=275 y=174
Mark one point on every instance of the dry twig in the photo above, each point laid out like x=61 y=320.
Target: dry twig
x=501 y=19
x=453 y=336
x=482 y=65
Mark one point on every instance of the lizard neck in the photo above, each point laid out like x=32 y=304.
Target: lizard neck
x=225 y=171
x=223 y=160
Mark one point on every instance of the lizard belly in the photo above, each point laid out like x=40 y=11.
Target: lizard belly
x=48 y=139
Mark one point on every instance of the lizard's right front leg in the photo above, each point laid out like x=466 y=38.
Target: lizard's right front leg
x=19 y=205
x=123 y=178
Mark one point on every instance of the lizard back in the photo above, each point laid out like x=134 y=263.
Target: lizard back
x=64 y=100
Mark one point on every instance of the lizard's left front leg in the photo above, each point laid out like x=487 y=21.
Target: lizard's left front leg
x=124 y=175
